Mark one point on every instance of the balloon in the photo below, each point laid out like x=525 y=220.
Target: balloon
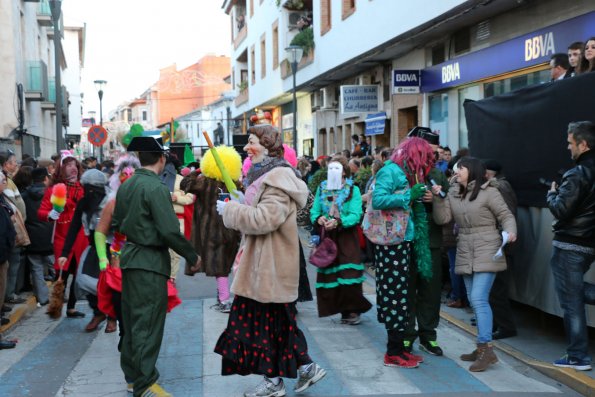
x=126 y=139
x=136 y=130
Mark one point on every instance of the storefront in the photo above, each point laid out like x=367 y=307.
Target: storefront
x=495 y=70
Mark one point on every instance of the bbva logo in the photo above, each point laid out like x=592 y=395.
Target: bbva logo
x=539 y=46
x=451 y=72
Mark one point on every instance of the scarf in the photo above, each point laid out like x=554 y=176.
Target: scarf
x=259 y=169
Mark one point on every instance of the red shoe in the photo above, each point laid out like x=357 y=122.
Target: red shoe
x=399 y=361
x=412 y=357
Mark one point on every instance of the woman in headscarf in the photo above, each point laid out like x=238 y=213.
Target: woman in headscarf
x=262 y=336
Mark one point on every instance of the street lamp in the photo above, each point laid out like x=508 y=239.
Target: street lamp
x=56 y=10
x=99 y=84
x=294 y=56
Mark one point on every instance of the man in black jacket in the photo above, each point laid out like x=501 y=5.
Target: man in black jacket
x=573 y=206
x=7 y=236
x=40 y=253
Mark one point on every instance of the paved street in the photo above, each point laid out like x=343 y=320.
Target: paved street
x=56 y=358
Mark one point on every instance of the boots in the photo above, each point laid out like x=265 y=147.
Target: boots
x=469 y=357
x=485 y=357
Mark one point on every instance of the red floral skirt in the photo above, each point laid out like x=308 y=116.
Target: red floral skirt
x=262 y=339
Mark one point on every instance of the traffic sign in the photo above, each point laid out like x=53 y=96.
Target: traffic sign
x=97 y=135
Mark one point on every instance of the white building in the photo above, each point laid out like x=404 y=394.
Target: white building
x=27 y=108
x=74 y=52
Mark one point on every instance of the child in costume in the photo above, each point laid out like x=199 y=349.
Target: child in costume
x=216 y=244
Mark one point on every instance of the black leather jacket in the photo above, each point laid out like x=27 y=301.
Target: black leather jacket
x=573 y=204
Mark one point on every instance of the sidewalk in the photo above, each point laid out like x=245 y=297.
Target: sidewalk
x=18 y=311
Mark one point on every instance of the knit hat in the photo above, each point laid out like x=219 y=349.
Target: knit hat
x=94 y=177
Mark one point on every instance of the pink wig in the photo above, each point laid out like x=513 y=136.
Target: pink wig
x=416 y=158
x=289 y=156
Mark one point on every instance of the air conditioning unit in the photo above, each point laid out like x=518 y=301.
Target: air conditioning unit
x=329 y=101
x=293 y=17
x=364 y=79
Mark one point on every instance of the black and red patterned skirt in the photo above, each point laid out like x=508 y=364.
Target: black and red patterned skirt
x=262 y=339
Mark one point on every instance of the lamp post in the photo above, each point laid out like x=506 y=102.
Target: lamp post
x=294 y=56
x=56 y=9
x=99 y=84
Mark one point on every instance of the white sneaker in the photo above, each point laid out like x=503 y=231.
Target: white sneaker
x=306 y=378
x=267 y=388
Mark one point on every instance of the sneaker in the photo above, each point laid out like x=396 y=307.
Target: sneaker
x=431 y=347
x=571 y=362
x=352 y=319
x=267 y=388
x=225 y=307
x=307 y=376
x=130 y=387
x=408 y=346
x=415 y=357
x=399 y=361
x=155 y=391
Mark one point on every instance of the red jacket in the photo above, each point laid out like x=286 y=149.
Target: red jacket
x=73 y=194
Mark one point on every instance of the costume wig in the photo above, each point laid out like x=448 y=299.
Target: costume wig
x=60 y=173
x=416 y=158
x=123 y=169
x=231 y=160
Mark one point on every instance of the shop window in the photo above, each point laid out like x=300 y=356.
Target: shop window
x=439 y=115
x=516 y=83
x=469 y=93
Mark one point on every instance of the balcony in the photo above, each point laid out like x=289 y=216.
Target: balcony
x=37 y=81
x=242 y=97
x=242 y=34
x=50 y=102
x=44 y=13
x=307 y=59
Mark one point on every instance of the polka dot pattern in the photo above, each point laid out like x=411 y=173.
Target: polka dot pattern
x=392 y=268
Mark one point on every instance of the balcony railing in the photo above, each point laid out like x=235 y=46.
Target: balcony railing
x=44 y=13
x=286 y=67
x=51 y=90
x=37 y=81
x=242 y=34
x=242 y=97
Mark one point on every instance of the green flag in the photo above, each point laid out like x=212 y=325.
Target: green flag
x=188 y=155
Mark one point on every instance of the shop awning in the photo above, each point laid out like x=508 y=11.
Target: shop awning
x=375 y=123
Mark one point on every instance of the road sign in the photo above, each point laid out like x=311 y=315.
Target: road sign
x=97 y=135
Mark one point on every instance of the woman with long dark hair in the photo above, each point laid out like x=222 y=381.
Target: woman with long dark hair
x=589 y=54
x=478 y=208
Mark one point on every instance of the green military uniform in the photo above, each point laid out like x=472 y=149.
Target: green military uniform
x=144 y=213
x=425 y=295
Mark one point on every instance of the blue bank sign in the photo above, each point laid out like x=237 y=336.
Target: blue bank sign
x=524 y=51
x=359 y=98
x=406 y=81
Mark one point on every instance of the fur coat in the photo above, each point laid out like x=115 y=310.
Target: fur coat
x=216 y=244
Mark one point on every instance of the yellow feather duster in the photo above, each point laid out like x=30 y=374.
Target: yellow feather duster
x=231 y=159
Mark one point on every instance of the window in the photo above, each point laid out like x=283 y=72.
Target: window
x=348 y=8
x=438 y=54
x=263 y=56
x=325 y=16
x=144 y=115
x=252 y=65
x=439 y=115
x=462 y=41
x=276 y=45
x=472 y=93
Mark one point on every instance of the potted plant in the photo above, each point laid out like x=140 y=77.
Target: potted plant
x=291 y=4
x=242 y=86
x=304 y=39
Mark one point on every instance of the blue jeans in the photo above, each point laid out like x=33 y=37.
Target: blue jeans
x=573 y=292
x=456 y=281
x=478 y=292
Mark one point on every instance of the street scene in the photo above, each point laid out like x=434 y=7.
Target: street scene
x=268 y=198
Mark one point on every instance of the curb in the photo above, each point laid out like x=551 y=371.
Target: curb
x=574 y=379
x=18 y=312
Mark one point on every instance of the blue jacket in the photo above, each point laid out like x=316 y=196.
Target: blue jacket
x=389 y=180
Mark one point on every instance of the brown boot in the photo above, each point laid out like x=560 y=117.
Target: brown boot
x=485 y=357
x=94 y=323
x=469 y=357
x=111 y=326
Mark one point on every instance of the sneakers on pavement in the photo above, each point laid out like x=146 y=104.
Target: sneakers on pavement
x=400 y=361
x=155 y=391
x=571 y=362
x=130 y=387
x=223 y=307
x=431 y=347
x=414 y=357
x=267 y=388
x=307 y=376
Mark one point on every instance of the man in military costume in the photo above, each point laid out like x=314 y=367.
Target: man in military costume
x=144 y=213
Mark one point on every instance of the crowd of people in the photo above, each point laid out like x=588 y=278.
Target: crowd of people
x=421 y=218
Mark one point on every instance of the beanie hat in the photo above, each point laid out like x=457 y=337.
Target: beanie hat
x=94 y=177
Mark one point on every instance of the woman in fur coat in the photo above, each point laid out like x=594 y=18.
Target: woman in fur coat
x=216 y=244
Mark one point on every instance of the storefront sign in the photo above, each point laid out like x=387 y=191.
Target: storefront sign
x=359 y=98
x=375 y=124
x=524 y=51
x=406 y=81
